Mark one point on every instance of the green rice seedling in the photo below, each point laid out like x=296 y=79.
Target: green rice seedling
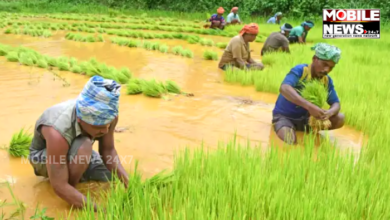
x=153 y=88
x=76 y=69
x=4 y=49
x=8 y=31
x=100 y=38
x=269 y=59
x=134 y=87
x=316 y=92
x=91 y=38
x=155 y=45
x=25 y=59
x=222 y=45
x=246 y=77
x=164 y=48
x=47 y=33
x=177 y=50
x=206 y=42
x=172 y=87
x=122 y=78
x=231 y=74
x=63 y=65
x=125 y=71
x=51 y=61
x=101 y=30
x=148 y=45
x=42 y=63
x=19 y=144
x=210 y=55
x=12 y=56
x=73 y=61
x=187 y=53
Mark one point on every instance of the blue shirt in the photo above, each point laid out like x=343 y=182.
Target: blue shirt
x=289 y=109
x=273 y=20
x=215 y=17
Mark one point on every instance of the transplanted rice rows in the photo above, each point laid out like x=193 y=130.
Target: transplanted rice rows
x=243 y=182
x=91 y=67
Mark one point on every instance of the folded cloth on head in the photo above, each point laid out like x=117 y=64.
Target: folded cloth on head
x=325 y=51
x=98 y=103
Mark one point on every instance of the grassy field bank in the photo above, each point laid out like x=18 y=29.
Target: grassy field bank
x=238 y=181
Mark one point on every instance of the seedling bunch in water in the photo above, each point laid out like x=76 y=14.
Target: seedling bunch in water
x=153 y=88
x=20 y=143
x=210 y=55
x=316 y=92
x=222 y=45
x=244 y=77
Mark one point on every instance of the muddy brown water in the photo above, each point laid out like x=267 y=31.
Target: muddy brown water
x=154 y=128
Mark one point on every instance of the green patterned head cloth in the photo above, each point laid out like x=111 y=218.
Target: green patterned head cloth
x=327 y=52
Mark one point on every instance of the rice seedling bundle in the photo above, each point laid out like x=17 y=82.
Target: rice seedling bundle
x=25 y=59
x=164 y=48
x=47 y=33
x=134 y=86
x=125 y=71
x=4 y=49
x=63 y=65
x=231 y=74
x=122 y=77
x=210 y=55
x=20 y=143
x=222 y=45
x=206 y=42
x=177 y=50
x=100 y=38
x=187 y=53
x=51 y=61
x=316 y=92
x=172 y=87
x=153 y=88
x=12 y=56
x=42 y=63
x=91 y=38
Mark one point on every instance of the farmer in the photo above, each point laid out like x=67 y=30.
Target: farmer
x=278 y=40
x=299 y=33
x=291 y=111
x=217 y=20
x=275 y=19
x=64 y=134
x=233 y=17
x=237 y=52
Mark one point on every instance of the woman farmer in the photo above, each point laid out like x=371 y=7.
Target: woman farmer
x=299 y=33
x=278 y=40
x=217 y=20
x=233 y=17
x=276 y=18
x=237 y=52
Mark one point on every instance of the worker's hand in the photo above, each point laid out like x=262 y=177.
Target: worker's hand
x=316 y=112
x=327 y=115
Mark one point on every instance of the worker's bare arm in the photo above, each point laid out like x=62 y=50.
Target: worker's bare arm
x=291 y=95
x=241 y=63
x=57 y=167
x=110 y=156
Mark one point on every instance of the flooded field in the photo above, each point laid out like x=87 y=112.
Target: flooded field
x=150 y=130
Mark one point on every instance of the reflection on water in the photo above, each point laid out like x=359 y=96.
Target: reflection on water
x=155 y=128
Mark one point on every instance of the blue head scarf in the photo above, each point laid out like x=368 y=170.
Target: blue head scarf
x=98 y=102
x=309 y=24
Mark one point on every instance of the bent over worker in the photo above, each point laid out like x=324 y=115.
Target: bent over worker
x=299 y=34
x=292 y=111
x=217 y=20
x=278 y=40
x=61 y=148
x=237 y=53
x=276 y=18
x=233 y=17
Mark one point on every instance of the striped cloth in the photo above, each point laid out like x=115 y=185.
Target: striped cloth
x=98 y=102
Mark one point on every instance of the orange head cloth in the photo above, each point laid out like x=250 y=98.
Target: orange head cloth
x=220 y=10
x=234 y=8
x=251 y=28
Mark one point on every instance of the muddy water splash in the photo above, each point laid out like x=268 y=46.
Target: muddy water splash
x=151 y=129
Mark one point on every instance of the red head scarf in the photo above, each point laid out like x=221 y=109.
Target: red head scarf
x=251 y=28
x=220 y=10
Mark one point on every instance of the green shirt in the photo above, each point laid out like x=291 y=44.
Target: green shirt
x=298 y=31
